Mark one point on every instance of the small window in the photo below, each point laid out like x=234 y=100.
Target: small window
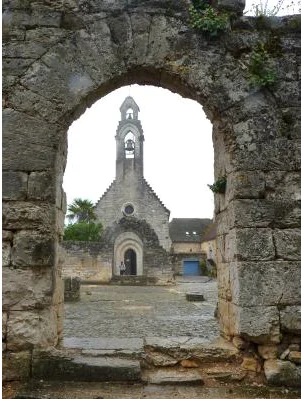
x=128 y=210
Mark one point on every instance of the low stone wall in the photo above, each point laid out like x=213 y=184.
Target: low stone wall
x=88 y=261
x=71 y=289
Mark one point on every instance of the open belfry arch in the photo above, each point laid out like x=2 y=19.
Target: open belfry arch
x=57 y=61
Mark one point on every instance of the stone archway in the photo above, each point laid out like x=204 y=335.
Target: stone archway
x=57 y=61
x=124 y=242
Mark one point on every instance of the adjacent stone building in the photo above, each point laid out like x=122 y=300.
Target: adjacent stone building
x=186 y=237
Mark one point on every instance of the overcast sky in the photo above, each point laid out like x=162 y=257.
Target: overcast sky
x=178 y=151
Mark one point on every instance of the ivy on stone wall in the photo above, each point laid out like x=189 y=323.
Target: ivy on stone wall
x=208 y=19
x=261 y=71
x=219 y=186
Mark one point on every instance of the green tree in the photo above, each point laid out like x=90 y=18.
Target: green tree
x=83 y=231
x=81 y=210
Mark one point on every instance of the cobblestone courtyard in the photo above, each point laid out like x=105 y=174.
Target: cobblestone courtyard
x=144 y=311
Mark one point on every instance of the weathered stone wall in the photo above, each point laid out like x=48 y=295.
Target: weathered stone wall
x=58 y=59
x=88 y=261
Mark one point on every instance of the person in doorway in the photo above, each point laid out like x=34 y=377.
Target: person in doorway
x=122 y=268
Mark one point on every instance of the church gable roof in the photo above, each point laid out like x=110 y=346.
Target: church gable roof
x=152 y=192
x=188 y=229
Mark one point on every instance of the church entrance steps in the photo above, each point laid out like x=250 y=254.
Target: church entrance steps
x=171 y=376
x=54 y=364
x=84 y=368
x=132 y=348
x=122 y=358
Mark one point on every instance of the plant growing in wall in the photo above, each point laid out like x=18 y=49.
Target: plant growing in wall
x=208 y=19
x=261 y=71
x=219 y=186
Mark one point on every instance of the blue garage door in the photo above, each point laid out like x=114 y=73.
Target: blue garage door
x=191 y=268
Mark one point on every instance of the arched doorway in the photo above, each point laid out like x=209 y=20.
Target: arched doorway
x=128 y=248
x=130 y=260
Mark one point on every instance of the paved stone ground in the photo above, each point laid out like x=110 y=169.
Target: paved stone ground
x=144 y=311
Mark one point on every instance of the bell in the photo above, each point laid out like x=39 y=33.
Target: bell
x=129 y=145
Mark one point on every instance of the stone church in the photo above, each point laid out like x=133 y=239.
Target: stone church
x=135 y=221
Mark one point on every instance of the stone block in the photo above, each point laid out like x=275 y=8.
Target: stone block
x=17 y=153
x=288 y=244
x=251 y=364
x=250 y=244
x=278 y=154
x=261 y=330
x=267 y=351
x=295 y=357
x=7 y=235
x=226 y=318
x=175 y=377
x=223 y=279
x=4 y=326
x=282 y=186
x=245 y=185
x=239 y=343
x=187 y=363
x=290 y=318
x=32 y=249
x=16 y=366
x=251 y=213
x=279 y=372
x=265 y=283
x=25 y=289
x=28 y=215
x=72 y=289
x=14 y=185
x=6 y=254
x=28 y=329
x=41 y=186
x=160 y=359
x=55 y=365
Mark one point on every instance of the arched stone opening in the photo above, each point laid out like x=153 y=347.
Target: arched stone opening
x=78 y=56
x=124 y=243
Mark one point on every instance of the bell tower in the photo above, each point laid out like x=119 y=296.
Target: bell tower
x=129 y=142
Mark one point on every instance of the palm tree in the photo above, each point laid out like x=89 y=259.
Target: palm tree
x=81 y=210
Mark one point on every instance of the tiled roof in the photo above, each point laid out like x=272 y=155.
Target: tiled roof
x=188 y=230
x=209 y=233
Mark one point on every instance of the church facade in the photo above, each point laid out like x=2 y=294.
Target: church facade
x=135 y=221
